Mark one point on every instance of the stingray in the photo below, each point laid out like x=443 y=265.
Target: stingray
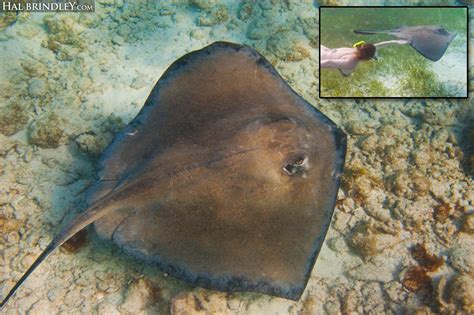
x=226 y=178
x=431 y=41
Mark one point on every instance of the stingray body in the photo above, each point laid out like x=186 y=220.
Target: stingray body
x=227 y=179
x=429 y=40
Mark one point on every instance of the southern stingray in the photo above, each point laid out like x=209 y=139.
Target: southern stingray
x=227 y=179
x=429 y=40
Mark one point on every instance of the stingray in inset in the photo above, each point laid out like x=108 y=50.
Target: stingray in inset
x=227 y=179
x=429 y=40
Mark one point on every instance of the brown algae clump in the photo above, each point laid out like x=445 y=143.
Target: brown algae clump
x=468 y=224
x=426 y=260
x=368 y=240
x=13 y=118
x=203 y=4
x=416 y=278
x=441 y=212
x=46 y=131
x=65 y=36
x=215 y=15
x=461 y=292
x=246 y=10
x=288 y=46
x=7 y=19
x=358 y=181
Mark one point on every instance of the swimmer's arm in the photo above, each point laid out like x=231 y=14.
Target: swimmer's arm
x=337 y=63
x=390 y=42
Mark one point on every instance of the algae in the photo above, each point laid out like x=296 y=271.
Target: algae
x=7 y=19
x=65 y=37
x=13 y=117
x=215 y=15
x=288 y=46
x=47 y=131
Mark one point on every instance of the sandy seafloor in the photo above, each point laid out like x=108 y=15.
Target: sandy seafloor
x=69 y=82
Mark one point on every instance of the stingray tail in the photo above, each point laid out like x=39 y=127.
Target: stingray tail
x=371 y=32
x=93 y=213
x=37 y=262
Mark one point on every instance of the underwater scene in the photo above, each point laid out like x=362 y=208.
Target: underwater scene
x=437 y=69
x=400 y=239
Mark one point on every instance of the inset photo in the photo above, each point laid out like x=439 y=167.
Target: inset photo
x=393 y=52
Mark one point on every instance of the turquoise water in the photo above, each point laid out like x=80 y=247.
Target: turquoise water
x=399 y=70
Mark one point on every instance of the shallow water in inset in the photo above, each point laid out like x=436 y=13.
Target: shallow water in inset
x=409 y=73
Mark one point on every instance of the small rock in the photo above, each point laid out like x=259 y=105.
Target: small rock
x=367 y=241
x=372 y=298
x=246 y=10
x=197 y=34
x=27 y=261
x=462 y=255
x=107 y=308
x=461 y=292
x=37 y=87
x=165 y=12
x=332 y=307
x=43 y=307
x=118 y=40
x=216 y=15
x=442 y=211
x=137 y=297
x=89 y=143
x=13 y=117
x=358 y=127
x=337 y=244
x=56 y=294
x=468 y=223
x=371 y=272
x=288 y=46
x=203 y=4
x=235 y=304
x=395 y=291
x=140 y=81
x=351 y=302
x=12 y=237
x=46 y=131
x=6 y=144
x=199 y=303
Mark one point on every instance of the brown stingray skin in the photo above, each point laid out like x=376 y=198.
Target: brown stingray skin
x=198 y=180
x=431 y=41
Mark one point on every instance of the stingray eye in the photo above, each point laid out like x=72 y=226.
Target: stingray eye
x=296 y=165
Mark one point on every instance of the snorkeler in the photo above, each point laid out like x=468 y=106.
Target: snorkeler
x=346 y=59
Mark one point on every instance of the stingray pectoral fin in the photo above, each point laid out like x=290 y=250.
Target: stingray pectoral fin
x=93 y=213
x=189 y=241
x=433 y=48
